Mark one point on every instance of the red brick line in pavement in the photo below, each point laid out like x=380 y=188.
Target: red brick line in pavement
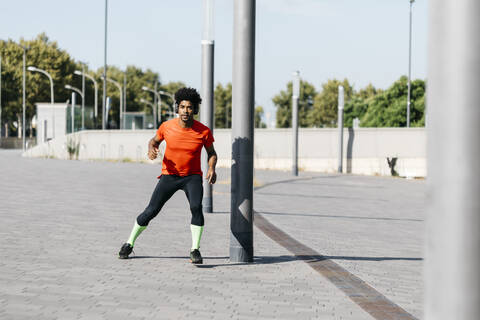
x=370 y=300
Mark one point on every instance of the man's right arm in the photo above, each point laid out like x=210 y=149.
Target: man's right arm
x=153 y=147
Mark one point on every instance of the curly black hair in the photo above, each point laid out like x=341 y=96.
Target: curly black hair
x=189 y=94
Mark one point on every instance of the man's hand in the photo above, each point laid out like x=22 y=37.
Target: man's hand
x=211 y=176
x=212 y=162
x=153 y=148
x=152 y=152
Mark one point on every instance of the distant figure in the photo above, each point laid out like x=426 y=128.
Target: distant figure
x=181 y=169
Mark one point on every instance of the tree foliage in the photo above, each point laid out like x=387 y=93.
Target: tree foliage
x=223 y=105
x=357 y=106
x=43 y=54
x=223 y=108
x=325 y=107
x=374 y=107
x=389 y=108
x=258 y=117
x=283 y=103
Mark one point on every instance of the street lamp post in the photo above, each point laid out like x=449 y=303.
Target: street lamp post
x=121 y=98
x=157 y=96
x=1 y=97
x=148 y=103
x=35 y=69
x=208 y=46
x=104 y=101
x=243 y=101
x=81 y=73
x=409 y=65
x=72 y=111
x=340 y=127
x=171 y=96
x=82 y=95
x=124 y=96
x=295 y=97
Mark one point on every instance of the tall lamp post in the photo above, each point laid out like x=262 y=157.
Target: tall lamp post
x=121 y=98
x=152 y=105
x=1 y=98
x=341 y=100
x=35 y=69
x=171 y=96
x=295 y=97
x=409 y=65
x=82 y=95
x=243 y=100
x=104 y=101
x=157 y=95
x=81 y=73
x=208 y=46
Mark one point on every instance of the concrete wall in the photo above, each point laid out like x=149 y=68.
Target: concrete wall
x=365 y=149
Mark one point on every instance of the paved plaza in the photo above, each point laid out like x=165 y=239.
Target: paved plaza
x=63 y=222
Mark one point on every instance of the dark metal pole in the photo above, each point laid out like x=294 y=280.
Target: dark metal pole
x=23 y=104
x=73 y=112
x=243 y=98
x=83 y=97
x=452 y=261
x=340 y=128
x=124 y=96
x=295 y=96
x=1 y=98
x=104 y=101
x=155 y=103
x=207 y=113
x=409 y=65
x=208 y=46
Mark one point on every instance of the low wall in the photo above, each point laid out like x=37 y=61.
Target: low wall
x=365 y=149
x=15 y=143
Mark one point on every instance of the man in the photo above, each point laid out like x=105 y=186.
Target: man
x=181 y=169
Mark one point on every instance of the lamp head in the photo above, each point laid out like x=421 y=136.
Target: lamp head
x=67 y=86
x=144 y=88
x=78 y=72
x=31 y=68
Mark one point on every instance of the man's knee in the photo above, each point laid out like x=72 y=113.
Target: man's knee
x=144 y=218
x=197 y=216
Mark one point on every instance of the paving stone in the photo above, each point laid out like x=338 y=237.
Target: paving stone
x=63 y=223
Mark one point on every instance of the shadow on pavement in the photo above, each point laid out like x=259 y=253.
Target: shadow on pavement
x=260 y=260
x=293 y=180
x=335 y=216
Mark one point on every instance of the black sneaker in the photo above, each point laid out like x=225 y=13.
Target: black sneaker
x=196 y=257
x=125 y=251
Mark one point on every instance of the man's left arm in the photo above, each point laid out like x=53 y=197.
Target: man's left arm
x=212 y=162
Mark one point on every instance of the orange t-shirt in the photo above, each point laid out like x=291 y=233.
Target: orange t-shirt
x=184 y=147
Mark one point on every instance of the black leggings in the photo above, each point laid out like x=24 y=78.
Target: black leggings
x=166 y=187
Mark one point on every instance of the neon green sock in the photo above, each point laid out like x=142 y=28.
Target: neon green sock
x=137 y=229
x=196 y=235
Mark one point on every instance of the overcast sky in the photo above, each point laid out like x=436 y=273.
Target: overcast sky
x=363 y=41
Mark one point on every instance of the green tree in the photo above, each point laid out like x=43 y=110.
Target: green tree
x=357 y=106
x=325 y=107
x=168 y=103
x=283 y=103
x=44 y=54
x=258 y=117
x=223 y=105
x=388 y=109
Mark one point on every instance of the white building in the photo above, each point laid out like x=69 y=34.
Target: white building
x=51 y=120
